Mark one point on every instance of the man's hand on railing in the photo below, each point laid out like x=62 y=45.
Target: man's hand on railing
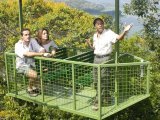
x=47 y=55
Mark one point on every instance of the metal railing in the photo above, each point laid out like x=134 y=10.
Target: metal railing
x=73 y=83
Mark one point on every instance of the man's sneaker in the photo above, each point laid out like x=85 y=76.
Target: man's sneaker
x=31 y=93
x=36 y=90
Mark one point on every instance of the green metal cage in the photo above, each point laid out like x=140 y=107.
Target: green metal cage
x=68 y=83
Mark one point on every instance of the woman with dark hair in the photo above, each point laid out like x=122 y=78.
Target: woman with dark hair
x=43 y=39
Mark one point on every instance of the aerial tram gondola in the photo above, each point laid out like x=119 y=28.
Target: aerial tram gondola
x=68 y=84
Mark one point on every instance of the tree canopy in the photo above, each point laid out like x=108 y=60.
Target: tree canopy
x=148 y=11
x=69 y=27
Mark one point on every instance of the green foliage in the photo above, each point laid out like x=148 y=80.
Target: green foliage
x=8 y=115
x=68 y=27
x=142 y=8
x=135 y=112
x=136 y=45
x=83 y=5
x=148 y=109
x=147 y=10
x=22 y=110
x=38 y=14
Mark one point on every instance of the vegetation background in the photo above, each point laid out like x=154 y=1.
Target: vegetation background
x=69 y=27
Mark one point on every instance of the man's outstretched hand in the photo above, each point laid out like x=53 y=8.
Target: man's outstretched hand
x=127 y=27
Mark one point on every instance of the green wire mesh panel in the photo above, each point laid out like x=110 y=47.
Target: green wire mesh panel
x=67 y=85
x=84 y=57
x=123 y=85
x=131 y=81
x=107 y=78
x=83 y=76
x=16 y=81
x=75 y=84
x=85 y=92
x=10 y=68
x=56 y=78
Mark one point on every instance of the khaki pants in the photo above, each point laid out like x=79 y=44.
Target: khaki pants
x=104 y=77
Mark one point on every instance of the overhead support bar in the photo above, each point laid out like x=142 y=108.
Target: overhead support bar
x=20 y=15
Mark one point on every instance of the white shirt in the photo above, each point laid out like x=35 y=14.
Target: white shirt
x=20 y=49
x=49 y=47
x=103 y=42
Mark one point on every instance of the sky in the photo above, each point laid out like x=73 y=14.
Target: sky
x=109 y=2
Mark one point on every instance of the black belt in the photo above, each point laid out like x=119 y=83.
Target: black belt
x=102 y=56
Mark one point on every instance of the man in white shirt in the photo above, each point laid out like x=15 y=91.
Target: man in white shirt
x=102 y=46
x=25 y=50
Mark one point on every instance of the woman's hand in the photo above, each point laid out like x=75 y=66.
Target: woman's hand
x=53 y=52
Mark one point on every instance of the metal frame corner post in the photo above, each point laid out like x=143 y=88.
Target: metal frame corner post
x=117 y=28
x=116 y=49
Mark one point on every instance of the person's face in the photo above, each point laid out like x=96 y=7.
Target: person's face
x=44 y=35
x=99 y=26
x=26 y=36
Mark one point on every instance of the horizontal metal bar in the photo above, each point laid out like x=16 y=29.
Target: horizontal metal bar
x=125 y=64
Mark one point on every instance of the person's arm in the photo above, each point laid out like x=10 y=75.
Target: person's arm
x=126 y=29
x=21 y=52
x=53 y=47
x=35 y=46
x=89 y=43
x=33 y=54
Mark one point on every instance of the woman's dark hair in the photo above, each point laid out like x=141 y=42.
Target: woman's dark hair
x=39 y=35
x=97 y=19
